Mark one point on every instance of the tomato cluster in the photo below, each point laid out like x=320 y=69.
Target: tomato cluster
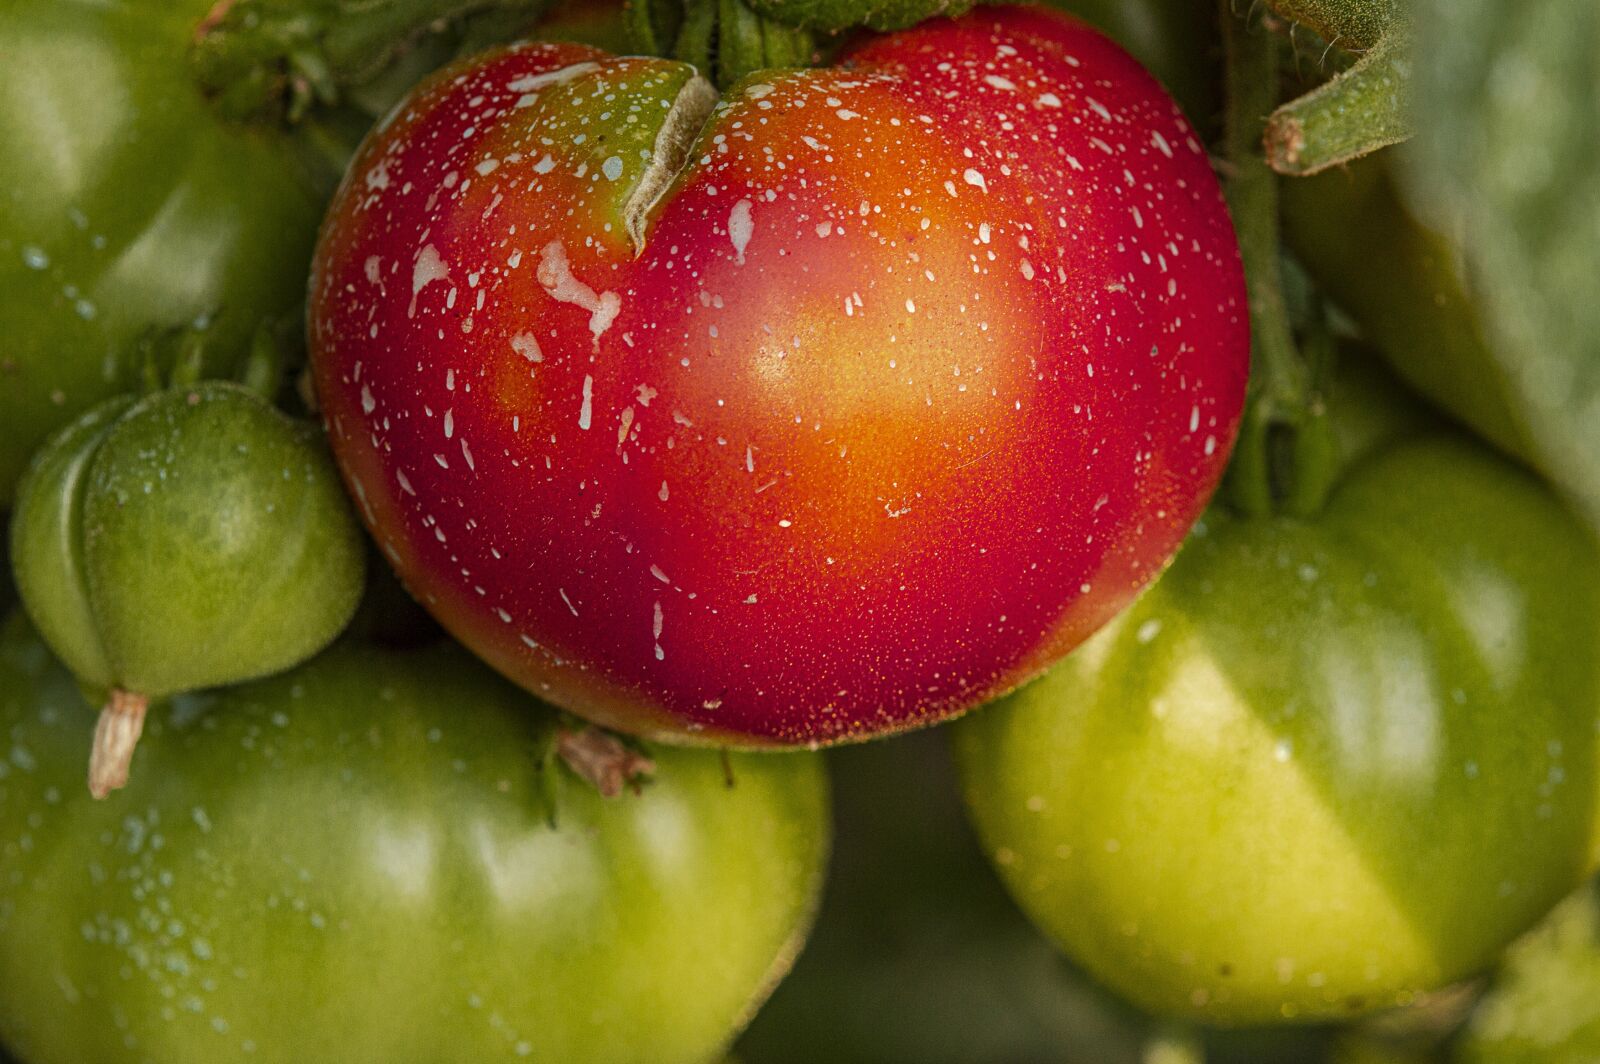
x=718 y=382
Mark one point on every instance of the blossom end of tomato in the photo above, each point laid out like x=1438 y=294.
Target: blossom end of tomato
x=116 y=737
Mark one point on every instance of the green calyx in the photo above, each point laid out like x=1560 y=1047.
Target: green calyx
x=183 y=357
x=727 y=39
x=1360 y=109
x=192 y=538
x=836 y=15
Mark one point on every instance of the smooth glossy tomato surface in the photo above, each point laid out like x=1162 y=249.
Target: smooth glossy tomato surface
x=1325 y=765
x=366 y=860
x=916 y=372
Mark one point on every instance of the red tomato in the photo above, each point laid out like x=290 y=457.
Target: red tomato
x=832 y=408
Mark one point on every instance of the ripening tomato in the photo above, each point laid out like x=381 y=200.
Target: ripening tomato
x=830 y=408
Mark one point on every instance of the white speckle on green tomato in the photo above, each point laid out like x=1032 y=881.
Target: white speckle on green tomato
x=356 y=862
x=1309 y=799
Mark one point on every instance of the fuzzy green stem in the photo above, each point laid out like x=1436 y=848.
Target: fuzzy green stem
x=189 y=368
x=1252 y=74
x=1354 y=25
x=1283 y=454
x=653 y=25
x=1358 y=112
x=263 y=367
x=739 y=48
x=697 y=34
x=747 y=42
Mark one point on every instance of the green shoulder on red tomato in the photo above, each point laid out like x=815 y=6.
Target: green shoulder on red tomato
x=362 y=860
x=1323 y=765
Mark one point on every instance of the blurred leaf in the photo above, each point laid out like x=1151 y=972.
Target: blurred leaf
x=1507 y=159
x=1545 y=1005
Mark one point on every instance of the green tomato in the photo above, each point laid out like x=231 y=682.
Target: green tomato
x=1544 y=1006
x=1322 y=765
x=129 y=207
x=362 y=861
x=193 y=538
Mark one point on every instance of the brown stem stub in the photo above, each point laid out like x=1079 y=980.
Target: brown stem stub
x=116 y=736
x=602 y=759
x=1285 y=139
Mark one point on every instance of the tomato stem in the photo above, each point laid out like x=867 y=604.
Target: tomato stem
x=1283 y=455
x=116 y=736
x=1354 y=114
x=725 y=39
x=263 y=367
x=189 y=368
x=602 y=759
x=1354 y=25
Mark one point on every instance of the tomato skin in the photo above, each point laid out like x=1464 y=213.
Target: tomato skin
x=769 y=415
x=209 y=541
x=1322 y=765
x=129 y=207
x=1175 y=39
x=352 y=862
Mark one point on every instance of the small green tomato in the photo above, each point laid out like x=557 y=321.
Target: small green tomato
x=192 y=538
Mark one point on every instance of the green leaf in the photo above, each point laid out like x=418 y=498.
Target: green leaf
x=1507 y=157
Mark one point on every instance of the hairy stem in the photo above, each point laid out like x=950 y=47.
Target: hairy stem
x=1354 y=25
x=1363 y=109
x=725 y=39
x=278 y=58
x=1281 y=458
